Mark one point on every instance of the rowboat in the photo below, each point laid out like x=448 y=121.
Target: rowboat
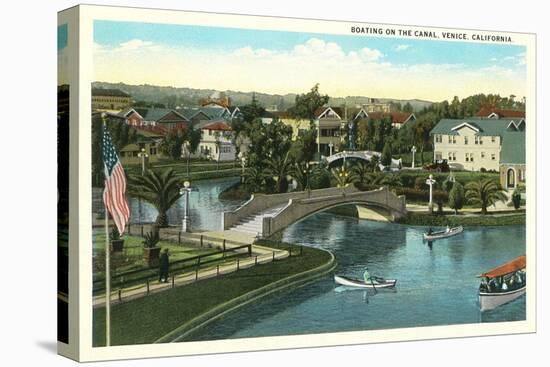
x=358 y=283
x=443 y=234
x=502 y=284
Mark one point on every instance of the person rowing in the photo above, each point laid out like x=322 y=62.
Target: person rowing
x=366 y=276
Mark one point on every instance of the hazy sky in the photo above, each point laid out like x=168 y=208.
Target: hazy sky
x=291 y=62
x=62 y=39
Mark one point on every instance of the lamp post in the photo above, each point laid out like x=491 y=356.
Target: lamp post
x=243 y=161
x=413 y=150
x=142 y=154
x=330 y=146
x=186 y=223
x=430 y=181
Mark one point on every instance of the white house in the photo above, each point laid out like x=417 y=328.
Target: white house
x=474 y=144
x=216 y=141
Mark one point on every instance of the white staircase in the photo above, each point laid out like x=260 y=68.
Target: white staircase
x=253 y=223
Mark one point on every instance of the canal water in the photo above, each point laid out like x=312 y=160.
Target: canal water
x=205 y=207
x=436 y=285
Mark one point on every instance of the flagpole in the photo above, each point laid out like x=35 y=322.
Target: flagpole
x=107 y=270
x=107 y=282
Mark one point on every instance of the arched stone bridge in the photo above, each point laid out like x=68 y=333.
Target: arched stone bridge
x=365 y=155
x=264 y=215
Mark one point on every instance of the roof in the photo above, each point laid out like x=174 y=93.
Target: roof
x=512 y=266
x=488 y=111
x=321 y=110
x=217 y=125
x=485 y=127
x=513 y=147
x=109 y=92
x=396 y=117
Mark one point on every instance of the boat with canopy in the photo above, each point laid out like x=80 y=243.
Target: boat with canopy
x=502 y=284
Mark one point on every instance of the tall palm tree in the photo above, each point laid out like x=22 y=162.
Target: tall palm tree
x=278 y=168
x=484 y=193
x=159 y=188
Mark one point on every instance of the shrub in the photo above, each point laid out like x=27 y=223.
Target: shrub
x=419 y=183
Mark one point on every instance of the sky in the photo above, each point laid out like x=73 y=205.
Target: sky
x=281 y=62
x=62 y=40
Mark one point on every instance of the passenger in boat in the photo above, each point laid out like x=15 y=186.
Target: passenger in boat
x=366 y=276
x=504 y=287
x=492 y=285
x=448 y=229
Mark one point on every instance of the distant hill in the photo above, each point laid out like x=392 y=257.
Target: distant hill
x=172 y=97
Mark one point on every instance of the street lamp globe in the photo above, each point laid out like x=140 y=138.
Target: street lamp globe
x=186 y=184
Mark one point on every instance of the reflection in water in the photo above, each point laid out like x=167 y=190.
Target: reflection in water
x=205 y=207
x=436 y=285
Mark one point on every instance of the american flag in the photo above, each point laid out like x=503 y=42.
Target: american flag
x=114 y=194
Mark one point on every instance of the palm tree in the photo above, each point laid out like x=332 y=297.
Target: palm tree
x=484 y=193
x=278 y=168
x=159 y=188
x=302 y=173
x=360 y=172
x=342 y=176
x=253 y=179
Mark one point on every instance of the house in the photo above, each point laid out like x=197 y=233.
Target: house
x=512 y=160
x=132 y=117
x=132 y=153
x=298 y=125
x=216 y=141
x=328 y=121
x=475 y=144
x=374 y=105
x=496 y=113
x=110 y=100
x=398 y=119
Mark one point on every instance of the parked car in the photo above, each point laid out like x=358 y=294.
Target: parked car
x=438 y=165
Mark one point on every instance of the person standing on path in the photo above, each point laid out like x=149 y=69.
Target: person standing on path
x=164 y=264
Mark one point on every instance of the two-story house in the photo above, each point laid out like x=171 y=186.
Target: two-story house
x=216 y=141
x=475 y=144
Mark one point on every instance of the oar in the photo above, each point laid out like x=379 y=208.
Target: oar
x=371 y=282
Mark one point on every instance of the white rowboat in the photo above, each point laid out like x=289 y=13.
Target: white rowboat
x=443 y=234
x=357 y=283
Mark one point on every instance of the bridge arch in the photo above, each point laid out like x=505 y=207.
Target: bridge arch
x=301 y=208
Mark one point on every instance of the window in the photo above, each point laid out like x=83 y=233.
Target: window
x=454 y=139
x=482 y=155
x=493 y=157
x=450 y=139
x=493 y=139
x=469 y=157
x=478 y=140
x=465 y=140
x=438 y=138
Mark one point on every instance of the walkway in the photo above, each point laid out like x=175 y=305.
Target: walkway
x=260 y=255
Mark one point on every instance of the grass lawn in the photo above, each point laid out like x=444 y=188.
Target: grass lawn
x=146 y=319
x=132 y=258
